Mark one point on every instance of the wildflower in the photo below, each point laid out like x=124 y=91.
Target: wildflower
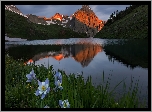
x=58 y=80
x=58 y=85
x=64 y=104
x=58 y=76
x=43 y=88
x=31 y=76
x=46 y=106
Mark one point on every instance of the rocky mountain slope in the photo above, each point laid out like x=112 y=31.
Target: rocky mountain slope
x=88 y=17
x=36 y=19
x=82 y=21
x=85 y=21
x=14 y=9
x=58 y=19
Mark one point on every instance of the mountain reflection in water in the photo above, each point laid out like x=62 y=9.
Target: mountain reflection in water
x=82 y=53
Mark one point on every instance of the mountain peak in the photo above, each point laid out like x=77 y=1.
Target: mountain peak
x=57 y=16
x=86 y=8
x=14 y=9
x=86 y=16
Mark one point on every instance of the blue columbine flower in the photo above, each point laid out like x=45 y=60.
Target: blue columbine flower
x=31 y=76
x=64 y=104
x=43 y=88
x=58 y=80
x=58 y=84
x=58 y=76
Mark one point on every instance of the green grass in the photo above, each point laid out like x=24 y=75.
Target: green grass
x=128 y=27
x=80 y=94
x=17 y=26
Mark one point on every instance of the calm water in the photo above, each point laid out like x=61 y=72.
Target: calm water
x=118 y=59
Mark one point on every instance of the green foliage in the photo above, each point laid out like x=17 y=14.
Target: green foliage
x=17 y=26
x=80 y=94
x=129 y=24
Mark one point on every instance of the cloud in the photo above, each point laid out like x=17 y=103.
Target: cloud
x=100 y=14
x=102 y=11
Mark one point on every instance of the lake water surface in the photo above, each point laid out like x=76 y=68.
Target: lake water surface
x=118 y=59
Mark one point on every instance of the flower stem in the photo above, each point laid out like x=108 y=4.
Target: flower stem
x=41 y=104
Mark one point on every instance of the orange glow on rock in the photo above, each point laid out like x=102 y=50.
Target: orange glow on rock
x=58 y=57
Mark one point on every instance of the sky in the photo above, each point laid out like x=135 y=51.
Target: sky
x=103 y=12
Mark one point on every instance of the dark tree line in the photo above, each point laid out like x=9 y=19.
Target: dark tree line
x=116 y=15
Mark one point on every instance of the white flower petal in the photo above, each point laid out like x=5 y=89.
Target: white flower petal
x=43 y=83
x=40 y=88
x=40 y=92
x=45 y=92
x=58 y=83
x=46 y=86
x=67 y=103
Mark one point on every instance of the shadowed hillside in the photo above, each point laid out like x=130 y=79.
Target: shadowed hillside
x=17 y=26
x=131 y=23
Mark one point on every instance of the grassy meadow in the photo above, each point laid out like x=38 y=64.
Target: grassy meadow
x=79 y=93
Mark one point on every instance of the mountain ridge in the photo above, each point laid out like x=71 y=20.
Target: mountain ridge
x=17 y=26
x=83 y=20
x=14 y=9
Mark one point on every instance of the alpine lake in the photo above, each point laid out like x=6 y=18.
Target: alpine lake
x=119 y=59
